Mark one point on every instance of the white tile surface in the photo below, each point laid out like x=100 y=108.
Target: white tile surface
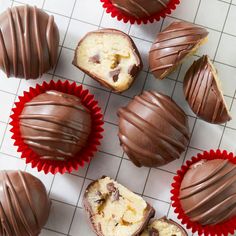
x=6 y=106
x=70 y=184
x=154 y=187
x=212 y=20
x=82 y=8
x=63 y=7
x=82 y=228
x=60 y=217
x=115 y=102
x=188 y=15
x=227 y=50
x=163 y=86
x=206 y=136
x=132 y=177
x=68 y=190
x=230 y=26
x=103 y=164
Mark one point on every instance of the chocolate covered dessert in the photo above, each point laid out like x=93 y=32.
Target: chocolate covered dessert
x=25 y=206
x=173 y=45
x=115 y=210
x=153 y=129
x=208 y=192
x=29 y=40
x=55 y=125
x=140 y=8
x=110 y=57
x=164 y=227
x=203 y=93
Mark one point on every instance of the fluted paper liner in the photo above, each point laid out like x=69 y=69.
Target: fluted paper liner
x=224 y=228
x=84 y=155
x=116 y=13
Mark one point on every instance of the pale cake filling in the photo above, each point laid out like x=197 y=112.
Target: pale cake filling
x=108 y=56
x=163 y=228
x=117 y=212
x=193 y=51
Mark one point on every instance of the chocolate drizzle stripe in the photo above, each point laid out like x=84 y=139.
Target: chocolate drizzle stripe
x=38 y=41
x=210 y=175
x=218 y=209
x=200 y=88
x=189 y=38
x=220 y=202
x=50 y=45
x=48 y=148
x=22 y=32
x=4 y=224
x=27 y=41
x=208 y=182
x=50 y=130
x=51 y=139
x=226 y=183
x=126 y=10
x=140 y=7
x=29 y=198
x=167 y=115
x=56 y=103
x=14 y=42
x=5 y=56
x=151 y=132
x=134 y=148
x=22 y=45
x=57 y=158
x=47 y=118
x=147 y=129
x=11 y=194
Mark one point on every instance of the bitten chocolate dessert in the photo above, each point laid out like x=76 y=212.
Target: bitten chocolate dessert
x=25 y=206
x=153 y=129
x=164 y=227
x=173 y=45
x=115 y=210
x=208 y=191
x=140 y=8
x=110 y=57
x=55 y=125
x=203 y=94
x=29 y=41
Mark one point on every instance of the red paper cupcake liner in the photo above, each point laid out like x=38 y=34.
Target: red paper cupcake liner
x=224 y=228
x=116 y=13
x=83 y=155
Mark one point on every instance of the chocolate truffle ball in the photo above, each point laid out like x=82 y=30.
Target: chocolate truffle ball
x=114 y=210
x=203 y=93
x=29 y=40
x=24 y=204
x=208 y=191
x=110 y=57
x=140 y=8
x=173 y=45
x=153 y=129
x=55 y=125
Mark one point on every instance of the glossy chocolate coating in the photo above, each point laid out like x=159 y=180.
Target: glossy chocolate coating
x=167 y=223
x=203 y=93
x=29 y=40
x=55 y=125
x=25 y=206
x=140 y=8
x=172 y=45
x=153 y=130
x=208 y=191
